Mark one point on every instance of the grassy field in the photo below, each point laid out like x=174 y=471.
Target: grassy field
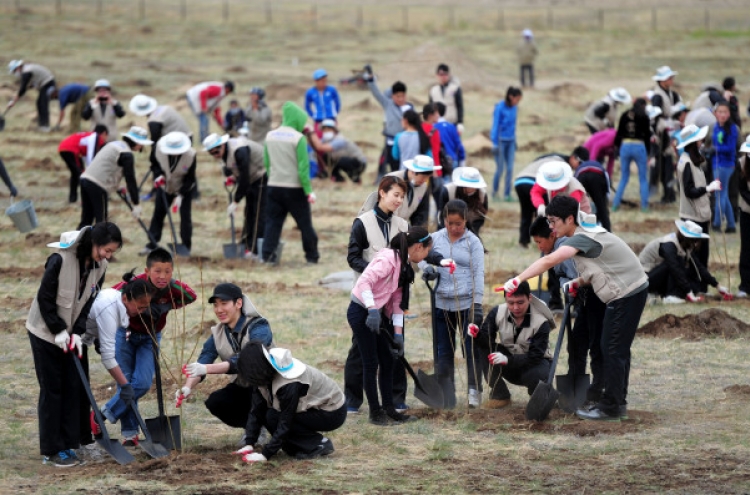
x=689 y=398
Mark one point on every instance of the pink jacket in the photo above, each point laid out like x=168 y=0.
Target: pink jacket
x=599 y=141
x=379 y=283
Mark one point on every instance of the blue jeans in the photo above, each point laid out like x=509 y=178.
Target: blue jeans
x=630 y=152
x=446 y=324
x=202 y=120
x=722 y=206
x=136 y=359
x=504 y=156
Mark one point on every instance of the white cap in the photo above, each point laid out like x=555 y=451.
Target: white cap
x=174 y=143
x=214 y=140
x=139 y=135
x=142 y=105
x=13 y=65
x=663 y=73
x=102 y=83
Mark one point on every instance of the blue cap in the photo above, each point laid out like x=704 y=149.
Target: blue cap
x=320 y=74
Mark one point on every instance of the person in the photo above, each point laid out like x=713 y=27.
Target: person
x=322 y=100
x=743 y=175
x=458 y=300
x=239 y=324
x=450 y=138
x=663 y=128
x=527 y=52
x=602 y=114
x=556 y=178
x=416 y=206
x=430 y=116
x=372 y=231
x=524 y=182
x=6 y=179
x=103 y=109
x=258 y=115
x=607 y=263
x=38 y=77
x=448 y=92
x=112 y=310
x=725 y=137
x=204 y=99
x=664 y=96
x=601 y=146
x=341 y=154
x=77 y=151
x=503 y=137
x=382 y=292
x=468 y=185
x=674 y=271
x=174 y=180
x=72 y=278
x=113 y=162
x=235 y=118
x=75 y=94
x=137 y=345
x=289 y=189
x=412 y=141
x=729 y=85
x=595 y=181
x=293 y=400
x=242 y=161
x=633 y=140
x=516 y=334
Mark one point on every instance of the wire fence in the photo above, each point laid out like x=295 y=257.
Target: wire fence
x=388 y=16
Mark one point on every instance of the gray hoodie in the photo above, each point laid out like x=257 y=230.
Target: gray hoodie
x=393 y=113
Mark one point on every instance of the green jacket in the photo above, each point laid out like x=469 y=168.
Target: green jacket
x=285 y=151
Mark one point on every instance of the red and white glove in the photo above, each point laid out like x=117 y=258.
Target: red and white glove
x=473 y=330
x=725 y=294
x=449 y=264
x=230 y=181
x=511 y=286
x=176 y=203
x=311 y=198
x=123 y=191
x=181 y=395
x=247 y=449
x=75 y=343
x=693 y=298
x=571 y=287
x=714 y=186
x=160 y=182
x=498 y=358
x=253 y=457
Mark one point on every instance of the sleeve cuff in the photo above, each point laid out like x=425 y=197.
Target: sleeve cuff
x=398 y=320
x=368 y=299
x=109 y=363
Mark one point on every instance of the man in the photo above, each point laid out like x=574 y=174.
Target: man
x=450 y=138
x=602 y=114
x=289 y=189
x=258 y=115
x=527 y=52
x=664 y=96
x=204 y=99
x=607 y=263
x=595 y=180
x=74 y=94
x=38 y=77
x=322 y=101
x=103 y=109
x=341 y=154
x=242 y=161
x=448 y=92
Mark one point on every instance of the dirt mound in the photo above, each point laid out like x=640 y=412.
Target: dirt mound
x=567 y=92
x=39 y=239
x=708 y=323
x=365 y=104
x=478 y=146
x=12 y=272
x=285 y=91
x=236 y=69
x=646 y=226
x=738 y=391
x=44 y=165
x=99 y=63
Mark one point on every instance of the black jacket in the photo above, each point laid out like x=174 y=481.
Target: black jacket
x=537 y=347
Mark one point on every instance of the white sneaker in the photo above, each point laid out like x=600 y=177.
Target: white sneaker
x=475 y=398
x=673 y=300
x=145 y=251
x=741 y=293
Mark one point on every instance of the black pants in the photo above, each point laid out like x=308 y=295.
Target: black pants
x=387 y=162
x=662 y=281
x=667 y=179
x=621 y=320
x=6 y=179
x=304 y=435
x=586 y=338
x=351 y=167
x=231 y=404
x=42 y=104
x=596 y=187
x=527 y=69
x=63 y=407
x=160 y=212
x=523 y=191
x=281 y=202
x=745 y=251
x=705 y=245
x=255 y=214
x=524 y=376
x=76 y=168
x=94 y=203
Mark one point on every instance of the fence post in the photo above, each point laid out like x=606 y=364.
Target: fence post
x=501 y=19
x=99 y=7
x=142 y=9
x=707 y=19
x=405 y=17
x=653 y=19
x=550 y=19
x=58 y=7
x=183 y=10
x=225 y=11
x=269 y=13
x=314 y=15
x=451 y=17
x=601 y=19
x=360 y=18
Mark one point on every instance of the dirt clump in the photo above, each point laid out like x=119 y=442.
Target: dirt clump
x=567 y=92
x=742 y=391
x=44 y=165
x=711 y=322
x=646 y=226
x=12 y=272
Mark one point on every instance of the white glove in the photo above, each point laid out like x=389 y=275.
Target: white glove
x=693 y=298
x=511 y=286
x=311 y=198
x=473 y=330
x=176 y=203
x=136 y=212
x=460 y=128
x=232 y=208
x=498 y=358
x=449 y=264
x=62 y=340
x=75 y=343
x=160 y=182
x=195 y=369
x=254 y=457
x=541 y=210
x=722 y=290
x=714 y=186
x=180 y=395
x=247 y=449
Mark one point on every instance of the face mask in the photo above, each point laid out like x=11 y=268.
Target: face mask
x=328 y=135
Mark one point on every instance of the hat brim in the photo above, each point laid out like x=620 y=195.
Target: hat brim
x=461 y=182
x=184 y=147
x=58 y=244
x=138 y=140
x=223 y=140
x=698 y=137
x=658 y=78
x=223 y=297
x=681 y=227
x=554 y=186
x=745 y=148
x=411 y=165
x=293 y=371
x=141 y=112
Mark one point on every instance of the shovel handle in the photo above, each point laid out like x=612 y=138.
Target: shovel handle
x=406 y=364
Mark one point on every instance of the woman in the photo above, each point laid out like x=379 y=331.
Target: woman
x=383 y=289
x=503 y=137
x=78 y=147
x=412 y=141
x=743 y=173
x=258 y=116
x=57 y=318
x=468 y=185
x=633 y=139
x=458 y=300
x=293 y=400
x=725 y=137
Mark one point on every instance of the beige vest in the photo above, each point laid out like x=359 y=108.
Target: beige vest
x=615 y=273
x=698 y=209
x=574 y=185
x=281 y=144
x=69 y=306
x=40 y=75
x=447 y=97
x=532 y=168
x=221 y=341
x=351 y=150
x=375 y=237
x=104 y=170
x=323 y=393
x=473 y=214
x=175 y=176
x=540 y=313
x=666 y=106
x=650 y=258
x=106 y=118
x=597 y=123
x=170 y=120
x=257 y=170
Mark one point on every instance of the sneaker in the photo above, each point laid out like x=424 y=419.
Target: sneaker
x=352 y=410
x=615 y=208
x=90 y=452
x=730 y=230
x=741 y=293
x=43 y=128
x=96 y=430
x=497 y=403
x=623 y=412
x=62 y=459
x=397 y=417
x=401 y=407
x=130 y=441
x=145 y=251
x=249 y=255
x=325 y=448
x=379 y=418
x=596 y=414
x=673 y=300
x=475 y=398
x=73 y=455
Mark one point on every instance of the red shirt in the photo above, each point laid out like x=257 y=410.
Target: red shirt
x=538 y=193
x=212 y=91
x=72 y=143
x=434 y=136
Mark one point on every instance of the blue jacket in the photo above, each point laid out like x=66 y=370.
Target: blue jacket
x=257 y=329
x=451 y=141
x=503 y=123
x=71 y=93
x=725 y=146
x=327 y=105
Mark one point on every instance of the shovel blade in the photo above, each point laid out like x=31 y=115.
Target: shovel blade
x=573 y=389
x=232 y=251
x=155 y=450
x=166 y=430
x=116 y=450
x=541 y=402
x=179 y=249
x=428 y=390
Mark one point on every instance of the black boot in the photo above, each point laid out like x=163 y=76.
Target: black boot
x=379 y=417
x=397 y=417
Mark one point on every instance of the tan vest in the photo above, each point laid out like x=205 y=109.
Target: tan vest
x=650 y=258
x=351 y=150
x=170 y=120
x=375 y=237
x=69 y=306
x=107 y=118
x=221 y=341
x=175 y=176
x=323 y=393
x=473 y=214
x=666 y=106
x=574 y=185
x=532 y=168
x=447 y=97
x=104 y=170
x=257 y=170
x=698 y=209
x=616 y=272
x=281 y=144
x=40 y=75
x=540 y=313
x=597 y=123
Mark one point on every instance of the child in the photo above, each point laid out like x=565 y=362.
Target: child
x=322 y=101
x=137 y=346
x=412 y=141
x=725 y=149
x=503 y=137
x=77 y=147
x=234 y=118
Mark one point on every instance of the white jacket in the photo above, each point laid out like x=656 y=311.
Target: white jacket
x=107 y=314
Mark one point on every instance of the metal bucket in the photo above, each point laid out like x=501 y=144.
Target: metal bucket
x=23 y=215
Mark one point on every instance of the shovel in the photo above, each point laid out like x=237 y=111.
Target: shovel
x=2 y=119
x=111 y=446
x=544 y=397
x=178 y=249
x=426 y=387
x=154 y=449
x=165 y=430
x=232 y=251
x=448 y=387
x=124 y=197
x=572 y=388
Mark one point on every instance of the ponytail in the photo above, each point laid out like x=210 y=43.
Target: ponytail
x=135 y=288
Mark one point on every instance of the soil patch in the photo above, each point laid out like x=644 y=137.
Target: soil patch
x=285 y=91
x=41 y=166
x=21 y=273
x=645 y=226
x=39 y=239
x=12 y=326
x=708 y=323
x=17 y=303
x=567 y=92
x=740 y=391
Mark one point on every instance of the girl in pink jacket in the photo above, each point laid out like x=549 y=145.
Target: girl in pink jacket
x=383 y=290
